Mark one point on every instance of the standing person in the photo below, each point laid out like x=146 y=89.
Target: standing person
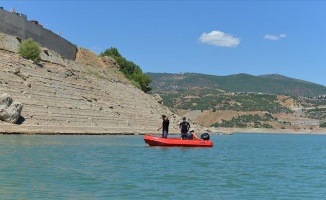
x=165 y=126
x=184 y=128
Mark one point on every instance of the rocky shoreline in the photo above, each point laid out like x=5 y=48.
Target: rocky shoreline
x=222 y=131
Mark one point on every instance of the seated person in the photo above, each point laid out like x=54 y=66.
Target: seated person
x=191 y=135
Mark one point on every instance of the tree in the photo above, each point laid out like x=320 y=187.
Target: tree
x=143 y=81
x=132 y=71
x=111 y=52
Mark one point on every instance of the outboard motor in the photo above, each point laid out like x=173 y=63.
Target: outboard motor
x=205 y=136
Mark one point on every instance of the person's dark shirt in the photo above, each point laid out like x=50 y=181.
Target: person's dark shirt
x=184 y=126
x=165 y=125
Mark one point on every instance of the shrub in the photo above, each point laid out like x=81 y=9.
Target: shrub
x=30 y=50
x=322 y=125
x=266 y=126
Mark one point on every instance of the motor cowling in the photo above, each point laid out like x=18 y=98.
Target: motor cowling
x=205 y=136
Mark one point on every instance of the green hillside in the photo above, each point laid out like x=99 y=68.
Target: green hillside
x=242 y=100
x=270 y=84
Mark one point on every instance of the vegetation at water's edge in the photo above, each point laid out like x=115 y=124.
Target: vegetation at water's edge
x=132 y=71
x=322 y=125
x=243 y=121
x=30 y=50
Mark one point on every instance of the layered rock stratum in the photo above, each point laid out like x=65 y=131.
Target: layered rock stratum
x=85 y=96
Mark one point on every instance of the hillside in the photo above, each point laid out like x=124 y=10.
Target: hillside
x=85 y=96
x=211 y=103
x=270 y=84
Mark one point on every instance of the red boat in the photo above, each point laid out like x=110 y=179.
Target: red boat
x=177 y=142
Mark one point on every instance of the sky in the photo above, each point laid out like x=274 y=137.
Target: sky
x=209 y=37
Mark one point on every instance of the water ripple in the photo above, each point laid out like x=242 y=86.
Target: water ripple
x=242 y=166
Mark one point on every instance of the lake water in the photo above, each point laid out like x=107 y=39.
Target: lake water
x=241 y=166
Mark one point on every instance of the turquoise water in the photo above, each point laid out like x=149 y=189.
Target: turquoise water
x=241 y=166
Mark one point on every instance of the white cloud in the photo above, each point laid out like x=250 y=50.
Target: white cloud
x=218 y=38
x=275 y=37
x=282 y=35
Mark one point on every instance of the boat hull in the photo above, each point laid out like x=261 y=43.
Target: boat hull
x=176 y=142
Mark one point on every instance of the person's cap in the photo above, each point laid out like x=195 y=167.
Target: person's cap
x=191 y=130
x=184 y=118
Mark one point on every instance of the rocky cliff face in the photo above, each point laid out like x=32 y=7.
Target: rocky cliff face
x=74 y=97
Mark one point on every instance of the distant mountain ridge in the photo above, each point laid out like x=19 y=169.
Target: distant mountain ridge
x=269 y=83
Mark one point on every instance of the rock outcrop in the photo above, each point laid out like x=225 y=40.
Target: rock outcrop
x=158 y=99
x=110 y=62
x=10 y=110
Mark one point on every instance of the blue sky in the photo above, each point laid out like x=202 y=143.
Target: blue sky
x=210 y=37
